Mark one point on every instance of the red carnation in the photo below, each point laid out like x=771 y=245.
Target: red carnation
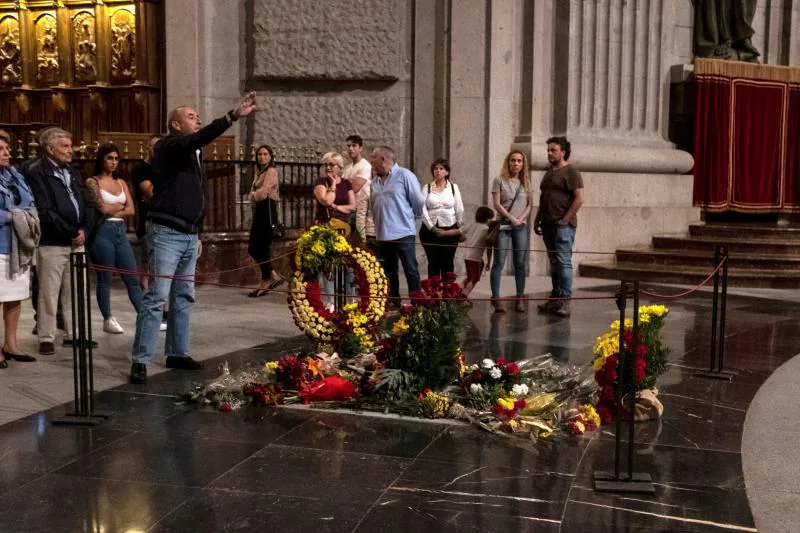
x=641 y=350
x=226 y=406
x=512 y=368
x=607 y=394
x=407 y=309
x=500 y=361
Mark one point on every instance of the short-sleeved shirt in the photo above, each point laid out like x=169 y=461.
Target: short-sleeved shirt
x=323 y=213
x=507 y=188
x=475 y=241
x=362 y=169
x=558 y=192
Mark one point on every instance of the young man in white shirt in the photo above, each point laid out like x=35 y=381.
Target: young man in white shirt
x=359 y=173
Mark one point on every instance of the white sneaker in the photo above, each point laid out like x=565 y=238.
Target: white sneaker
x=110 y=325
x=162 y=327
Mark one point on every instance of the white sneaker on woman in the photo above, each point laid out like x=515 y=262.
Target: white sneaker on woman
x=110 y=325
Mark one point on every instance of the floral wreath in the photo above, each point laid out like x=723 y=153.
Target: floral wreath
x=320 y=250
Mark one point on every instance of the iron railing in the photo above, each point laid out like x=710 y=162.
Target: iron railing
x=227 y=185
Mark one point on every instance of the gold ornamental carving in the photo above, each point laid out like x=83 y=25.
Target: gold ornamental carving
x=10 y=61
x=123 y=45
x=84 y=46
x=46 y=49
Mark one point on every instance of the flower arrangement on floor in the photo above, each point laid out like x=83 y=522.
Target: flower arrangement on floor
x=320 y=251
x=412 y=366
x=650 y=361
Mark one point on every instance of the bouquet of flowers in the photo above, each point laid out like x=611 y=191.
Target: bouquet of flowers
x=650 y=357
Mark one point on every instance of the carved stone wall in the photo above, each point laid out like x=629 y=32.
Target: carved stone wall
x=335 y=39
x=326 y=70
x=323 y=122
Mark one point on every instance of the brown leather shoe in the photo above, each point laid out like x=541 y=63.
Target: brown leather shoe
x=498 y=305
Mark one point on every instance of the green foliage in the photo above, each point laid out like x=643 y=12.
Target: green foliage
x=395 y=384
x=349 y=346
x=429 y=349
x=657 y=353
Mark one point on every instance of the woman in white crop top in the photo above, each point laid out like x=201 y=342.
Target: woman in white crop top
x=111 y=247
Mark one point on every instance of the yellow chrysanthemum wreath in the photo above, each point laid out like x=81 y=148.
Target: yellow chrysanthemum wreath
x=320 y=249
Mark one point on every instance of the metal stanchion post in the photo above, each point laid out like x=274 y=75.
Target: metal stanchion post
x=718 y=310
x=84 y=413
x=631 y=482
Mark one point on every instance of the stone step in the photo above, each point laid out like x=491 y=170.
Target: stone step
x=690 y=275
x=750 y=231
x=705 y=258
x=740 y=245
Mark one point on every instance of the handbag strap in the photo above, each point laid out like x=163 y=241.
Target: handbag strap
x=513 y=200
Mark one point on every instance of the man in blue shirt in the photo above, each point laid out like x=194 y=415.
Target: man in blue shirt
x=396 y=205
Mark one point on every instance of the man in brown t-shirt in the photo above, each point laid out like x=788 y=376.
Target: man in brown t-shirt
x=556 y=220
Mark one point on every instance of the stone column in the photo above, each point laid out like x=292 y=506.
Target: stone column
x=608 y=84
x=202 y=55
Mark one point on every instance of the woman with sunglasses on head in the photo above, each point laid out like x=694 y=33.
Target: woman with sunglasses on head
x=19 y=230
x=111 y=247
x=265 y=196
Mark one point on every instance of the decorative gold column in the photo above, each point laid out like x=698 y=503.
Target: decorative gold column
x=27 y=46
x=66 y=71
x=103 y=38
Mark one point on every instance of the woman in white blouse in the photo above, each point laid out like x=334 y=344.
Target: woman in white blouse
x=442 y=210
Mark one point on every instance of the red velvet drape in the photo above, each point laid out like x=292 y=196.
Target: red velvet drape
x=747 y=137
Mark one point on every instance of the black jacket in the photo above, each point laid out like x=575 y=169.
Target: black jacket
x=57 y=215
x=178 y=178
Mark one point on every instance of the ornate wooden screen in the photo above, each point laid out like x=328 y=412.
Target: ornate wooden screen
x=87 y=66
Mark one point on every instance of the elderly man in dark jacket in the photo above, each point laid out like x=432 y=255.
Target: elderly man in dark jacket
x=174 y=221
x=65 y=215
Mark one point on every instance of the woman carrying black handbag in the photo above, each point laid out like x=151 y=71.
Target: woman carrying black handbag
x=264 y=195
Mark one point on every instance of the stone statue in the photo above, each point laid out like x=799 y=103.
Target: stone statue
x=722 y=29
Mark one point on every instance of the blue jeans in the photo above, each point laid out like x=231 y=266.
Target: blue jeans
x=388 y=254
x=174 y=253
x=517 y=237
x=111 y=248
x=559 y=241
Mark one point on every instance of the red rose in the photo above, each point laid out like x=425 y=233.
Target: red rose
x=450 y=277
x=606 y=416
x=476 y=374
x=407 y=309
x=426 y=284
x=607 y=394
x=641 y=350
x=226 y=406
x=512 y=368
x=640 y=374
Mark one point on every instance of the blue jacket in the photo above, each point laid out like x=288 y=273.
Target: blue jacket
x=14 y=194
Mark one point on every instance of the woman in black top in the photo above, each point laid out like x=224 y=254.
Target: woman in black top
x=264 y=195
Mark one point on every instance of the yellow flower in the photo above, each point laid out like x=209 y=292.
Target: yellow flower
x=272 y=365
x=506 y=403
x=318 y=248
x=399 y=327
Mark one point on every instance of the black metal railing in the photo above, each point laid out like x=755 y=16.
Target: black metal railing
x=227 y=185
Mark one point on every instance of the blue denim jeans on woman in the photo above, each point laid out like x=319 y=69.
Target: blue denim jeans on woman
x=111 y=248
x=516 y=238
x=174 y=253
x=559 y=240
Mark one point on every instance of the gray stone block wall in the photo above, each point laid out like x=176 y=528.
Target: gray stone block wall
x=330 y=40
x=323 y=122
x=325 y=70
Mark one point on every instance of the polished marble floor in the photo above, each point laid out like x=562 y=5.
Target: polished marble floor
x=162 y=466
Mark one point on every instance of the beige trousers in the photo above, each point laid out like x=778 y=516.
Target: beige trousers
x=52 y=266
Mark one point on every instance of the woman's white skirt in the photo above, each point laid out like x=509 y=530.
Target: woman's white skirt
x=16 y=289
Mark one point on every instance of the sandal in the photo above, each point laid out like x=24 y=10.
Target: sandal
x=257 y=293
x=277 y=283
x=3 y=364
x=19 y=357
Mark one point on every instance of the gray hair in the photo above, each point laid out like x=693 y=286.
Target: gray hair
x=386 y=152
x=333 y=157
x=51 y=135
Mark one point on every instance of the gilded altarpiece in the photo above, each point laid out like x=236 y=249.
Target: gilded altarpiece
x=85 y=65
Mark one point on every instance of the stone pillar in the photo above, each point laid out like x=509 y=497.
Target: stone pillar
x=202 y=55
x=609 y=84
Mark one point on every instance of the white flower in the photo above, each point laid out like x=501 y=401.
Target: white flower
x=475 y=388
x=488 y=363
x=474 y=367
x=519 y=390
x=496 y=373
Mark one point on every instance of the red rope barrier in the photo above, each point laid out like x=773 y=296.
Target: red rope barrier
x=688 y=291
